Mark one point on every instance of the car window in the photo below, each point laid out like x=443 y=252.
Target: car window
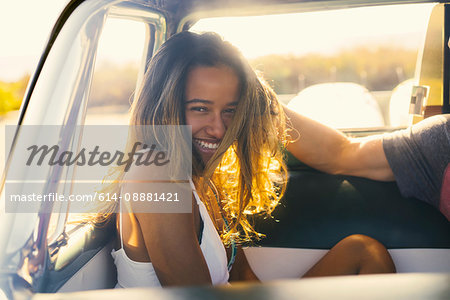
x=124 y=45
x=349 y=68
x=116 y=70
x=100 y=45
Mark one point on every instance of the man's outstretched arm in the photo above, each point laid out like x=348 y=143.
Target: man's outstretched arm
x=329 y=150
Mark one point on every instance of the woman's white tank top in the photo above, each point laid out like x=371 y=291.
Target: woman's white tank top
x=131 y=273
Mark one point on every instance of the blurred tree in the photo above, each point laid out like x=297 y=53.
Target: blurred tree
x=113 y=84
x=377 y=69
x=11 y=94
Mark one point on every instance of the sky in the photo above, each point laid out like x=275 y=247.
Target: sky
x=324 y=32
x=25 y=26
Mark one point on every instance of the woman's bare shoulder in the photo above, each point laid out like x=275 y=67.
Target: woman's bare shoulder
x=141 y=172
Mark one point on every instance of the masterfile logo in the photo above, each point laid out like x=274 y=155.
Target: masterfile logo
x=62 y=165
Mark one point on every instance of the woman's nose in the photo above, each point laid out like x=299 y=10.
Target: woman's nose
x=216 y=126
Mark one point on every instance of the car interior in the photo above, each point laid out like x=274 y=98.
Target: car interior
x=318 y=209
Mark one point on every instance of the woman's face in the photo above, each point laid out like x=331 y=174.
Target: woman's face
x=212 y=94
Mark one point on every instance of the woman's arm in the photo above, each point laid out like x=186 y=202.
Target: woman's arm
x=241 y=270
x=329 y=150
x=170 y=239
x=173 y=248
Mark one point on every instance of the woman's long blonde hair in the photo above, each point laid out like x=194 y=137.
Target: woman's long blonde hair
x=248 y=168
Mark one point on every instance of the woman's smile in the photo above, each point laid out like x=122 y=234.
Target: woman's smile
x=206 y=145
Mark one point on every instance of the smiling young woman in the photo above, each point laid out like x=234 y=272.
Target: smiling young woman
x=212 y=95
x=238 y=172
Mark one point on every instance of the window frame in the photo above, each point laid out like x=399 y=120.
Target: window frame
x=85 y=18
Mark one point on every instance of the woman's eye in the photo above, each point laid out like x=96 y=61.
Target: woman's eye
x=230 y=111
x=199 y=108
